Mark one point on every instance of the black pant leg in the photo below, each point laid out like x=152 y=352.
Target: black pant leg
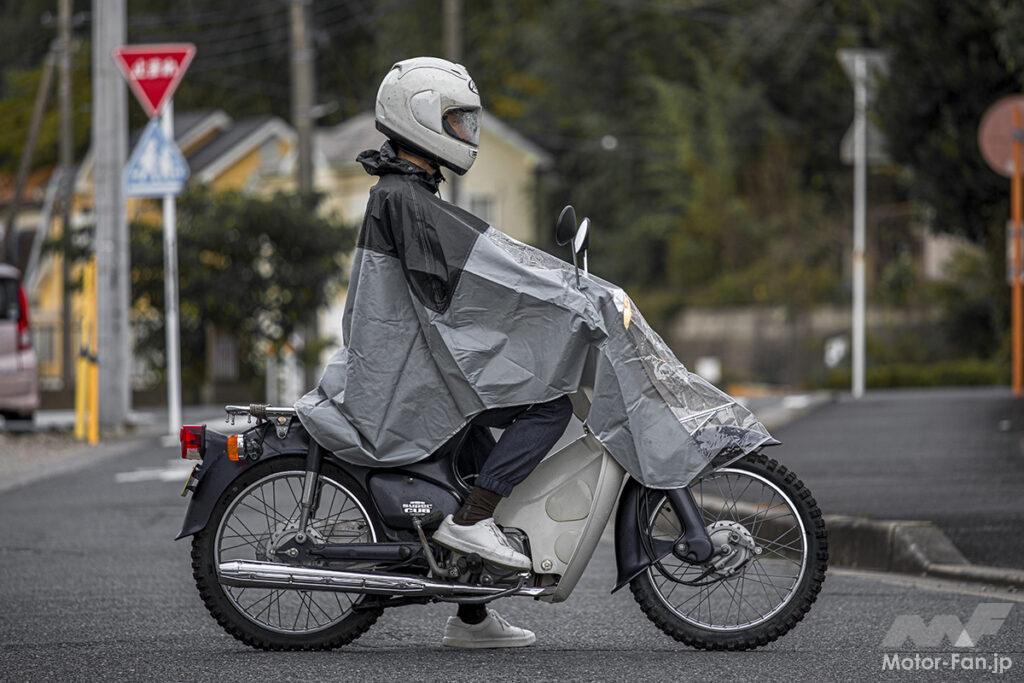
x=523 y=444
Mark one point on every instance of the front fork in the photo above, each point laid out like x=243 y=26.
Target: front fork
x=694 y=545
x=310 y=489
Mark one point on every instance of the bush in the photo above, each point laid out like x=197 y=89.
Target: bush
x=964 y=372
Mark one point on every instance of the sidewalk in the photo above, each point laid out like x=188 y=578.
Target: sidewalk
x=27 y=456
x=954 y=457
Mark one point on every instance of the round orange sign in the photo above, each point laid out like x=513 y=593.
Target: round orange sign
x=995 y=135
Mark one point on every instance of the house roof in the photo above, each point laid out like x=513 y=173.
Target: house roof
x=212 y=158
x=341 y=144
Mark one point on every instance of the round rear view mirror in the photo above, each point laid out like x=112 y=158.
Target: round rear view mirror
x=582 y=239
x=565 y=227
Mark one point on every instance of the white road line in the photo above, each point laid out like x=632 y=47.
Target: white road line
x=174 y=470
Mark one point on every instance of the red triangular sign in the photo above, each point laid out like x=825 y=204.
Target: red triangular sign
x=154 y=71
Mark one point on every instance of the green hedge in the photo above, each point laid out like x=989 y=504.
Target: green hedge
x=965 y=372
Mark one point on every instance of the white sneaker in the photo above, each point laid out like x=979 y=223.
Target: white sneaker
x=493 y=631
x=483 y=538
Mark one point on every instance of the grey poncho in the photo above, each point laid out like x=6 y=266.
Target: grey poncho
x=447 y=316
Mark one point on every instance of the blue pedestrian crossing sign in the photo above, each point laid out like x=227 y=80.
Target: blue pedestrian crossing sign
x=156 y=166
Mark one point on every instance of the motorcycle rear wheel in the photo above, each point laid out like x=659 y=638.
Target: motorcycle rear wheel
x=789 y=586
x=257 y=627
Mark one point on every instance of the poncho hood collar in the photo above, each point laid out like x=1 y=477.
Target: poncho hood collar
x=386 y=162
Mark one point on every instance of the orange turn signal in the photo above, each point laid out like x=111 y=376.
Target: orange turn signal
x=235 y=444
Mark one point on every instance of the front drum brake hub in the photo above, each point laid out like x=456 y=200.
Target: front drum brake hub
x=734 y=546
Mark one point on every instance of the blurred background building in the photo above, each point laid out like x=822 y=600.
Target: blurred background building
x=705 y=140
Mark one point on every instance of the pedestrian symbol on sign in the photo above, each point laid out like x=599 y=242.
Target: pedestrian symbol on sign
x=156 y=167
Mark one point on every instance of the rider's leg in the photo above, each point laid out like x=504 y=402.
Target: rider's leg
x=530 y=432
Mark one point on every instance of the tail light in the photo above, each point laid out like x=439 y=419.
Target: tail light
x=192 y=438
x=24 y=333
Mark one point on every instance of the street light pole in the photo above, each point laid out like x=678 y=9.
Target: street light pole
x=860 y=181
x=861 y=67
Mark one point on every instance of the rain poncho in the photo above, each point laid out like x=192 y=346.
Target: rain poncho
x=447 y=316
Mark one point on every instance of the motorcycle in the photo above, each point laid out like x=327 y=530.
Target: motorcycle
x=295 y=549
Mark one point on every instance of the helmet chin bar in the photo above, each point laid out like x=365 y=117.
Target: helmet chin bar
x=399 y=141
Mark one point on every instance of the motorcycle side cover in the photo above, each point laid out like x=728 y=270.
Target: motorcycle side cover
x=447 y=316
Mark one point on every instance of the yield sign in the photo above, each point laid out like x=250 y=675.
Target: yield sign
x=156 y=167
x=154 y=71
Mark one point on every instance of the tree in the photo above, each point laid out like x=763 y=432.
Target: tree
x=251 y=266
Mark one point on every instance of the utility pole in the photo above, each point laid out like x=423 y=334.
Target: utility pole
x=302 y=93
x=25 y=164
x=67 y=184
x=303 y=88
x=110 y=145
x=453 y=53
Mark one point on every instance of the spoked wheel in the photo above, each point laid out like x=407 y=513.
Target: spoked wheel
x=257 y=514
x=770 y=561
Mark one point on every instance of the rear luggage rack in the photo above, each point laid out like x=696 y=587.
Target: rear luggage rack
x=281 y=416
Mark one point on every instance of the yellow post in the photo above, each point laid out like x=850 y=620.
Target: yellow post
x=81 y=373
x=81 y=364
x=93 y=361
x=87 y=418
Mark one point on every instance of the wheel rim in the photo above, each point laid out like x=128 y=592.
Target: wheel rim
x=765 y=584
x=266 y=508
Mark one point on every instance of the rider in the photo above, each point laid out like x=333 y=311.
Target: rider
x=430 y=111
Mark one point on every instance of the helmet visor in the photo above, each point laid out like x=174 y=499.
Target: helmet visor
x=463 y=124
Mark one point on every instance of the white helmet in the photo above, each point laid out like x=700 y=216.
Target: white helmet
x=432 y=107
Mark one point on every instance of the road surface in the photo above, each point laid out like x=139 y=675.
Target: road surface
x=92 y=586
x=951 y=456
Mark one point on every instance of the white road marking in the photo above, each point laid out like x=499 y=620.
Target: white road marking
x=174 y=470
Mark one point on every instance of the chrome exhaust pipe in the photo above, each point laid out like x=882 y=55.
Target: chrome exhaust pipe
x=246 y=574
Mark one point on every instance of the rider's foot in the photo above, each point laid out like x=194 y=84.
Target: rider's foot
x=483 y=538
x=493 y=631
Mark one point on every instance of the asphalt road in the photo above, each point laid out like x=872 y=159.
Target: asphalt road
x=952 y=456
x=92 y=587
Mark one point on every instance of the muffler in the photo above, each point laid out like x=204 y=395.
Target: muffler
x=246 y=574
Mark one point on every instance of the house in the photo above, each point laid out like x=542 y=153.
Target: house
x=251 y=155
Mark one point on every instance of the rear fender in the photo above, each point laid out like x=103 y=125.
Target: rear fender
x=216 y=473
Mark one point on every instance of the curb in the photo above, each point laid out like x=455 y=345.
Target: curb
x=893 y=546
x=907 y=547
x=792 y=408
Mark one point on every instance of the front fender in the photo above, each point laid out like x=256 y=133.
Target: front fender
x=631 y=557
x=217 y=473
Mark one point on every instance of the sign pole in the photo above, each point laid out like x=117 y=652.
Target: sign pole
x=171 y=291
x=1016 y=201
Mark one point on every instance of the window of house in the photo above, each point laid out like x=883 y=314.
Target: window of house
x=483 y=206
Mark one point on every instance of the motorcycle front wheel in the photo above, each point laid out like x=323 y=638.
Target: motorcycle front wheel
x=770 y=562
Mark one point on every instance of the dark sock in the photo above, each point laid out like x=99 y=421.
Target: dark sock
x=472 y=614
x=479 y=505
